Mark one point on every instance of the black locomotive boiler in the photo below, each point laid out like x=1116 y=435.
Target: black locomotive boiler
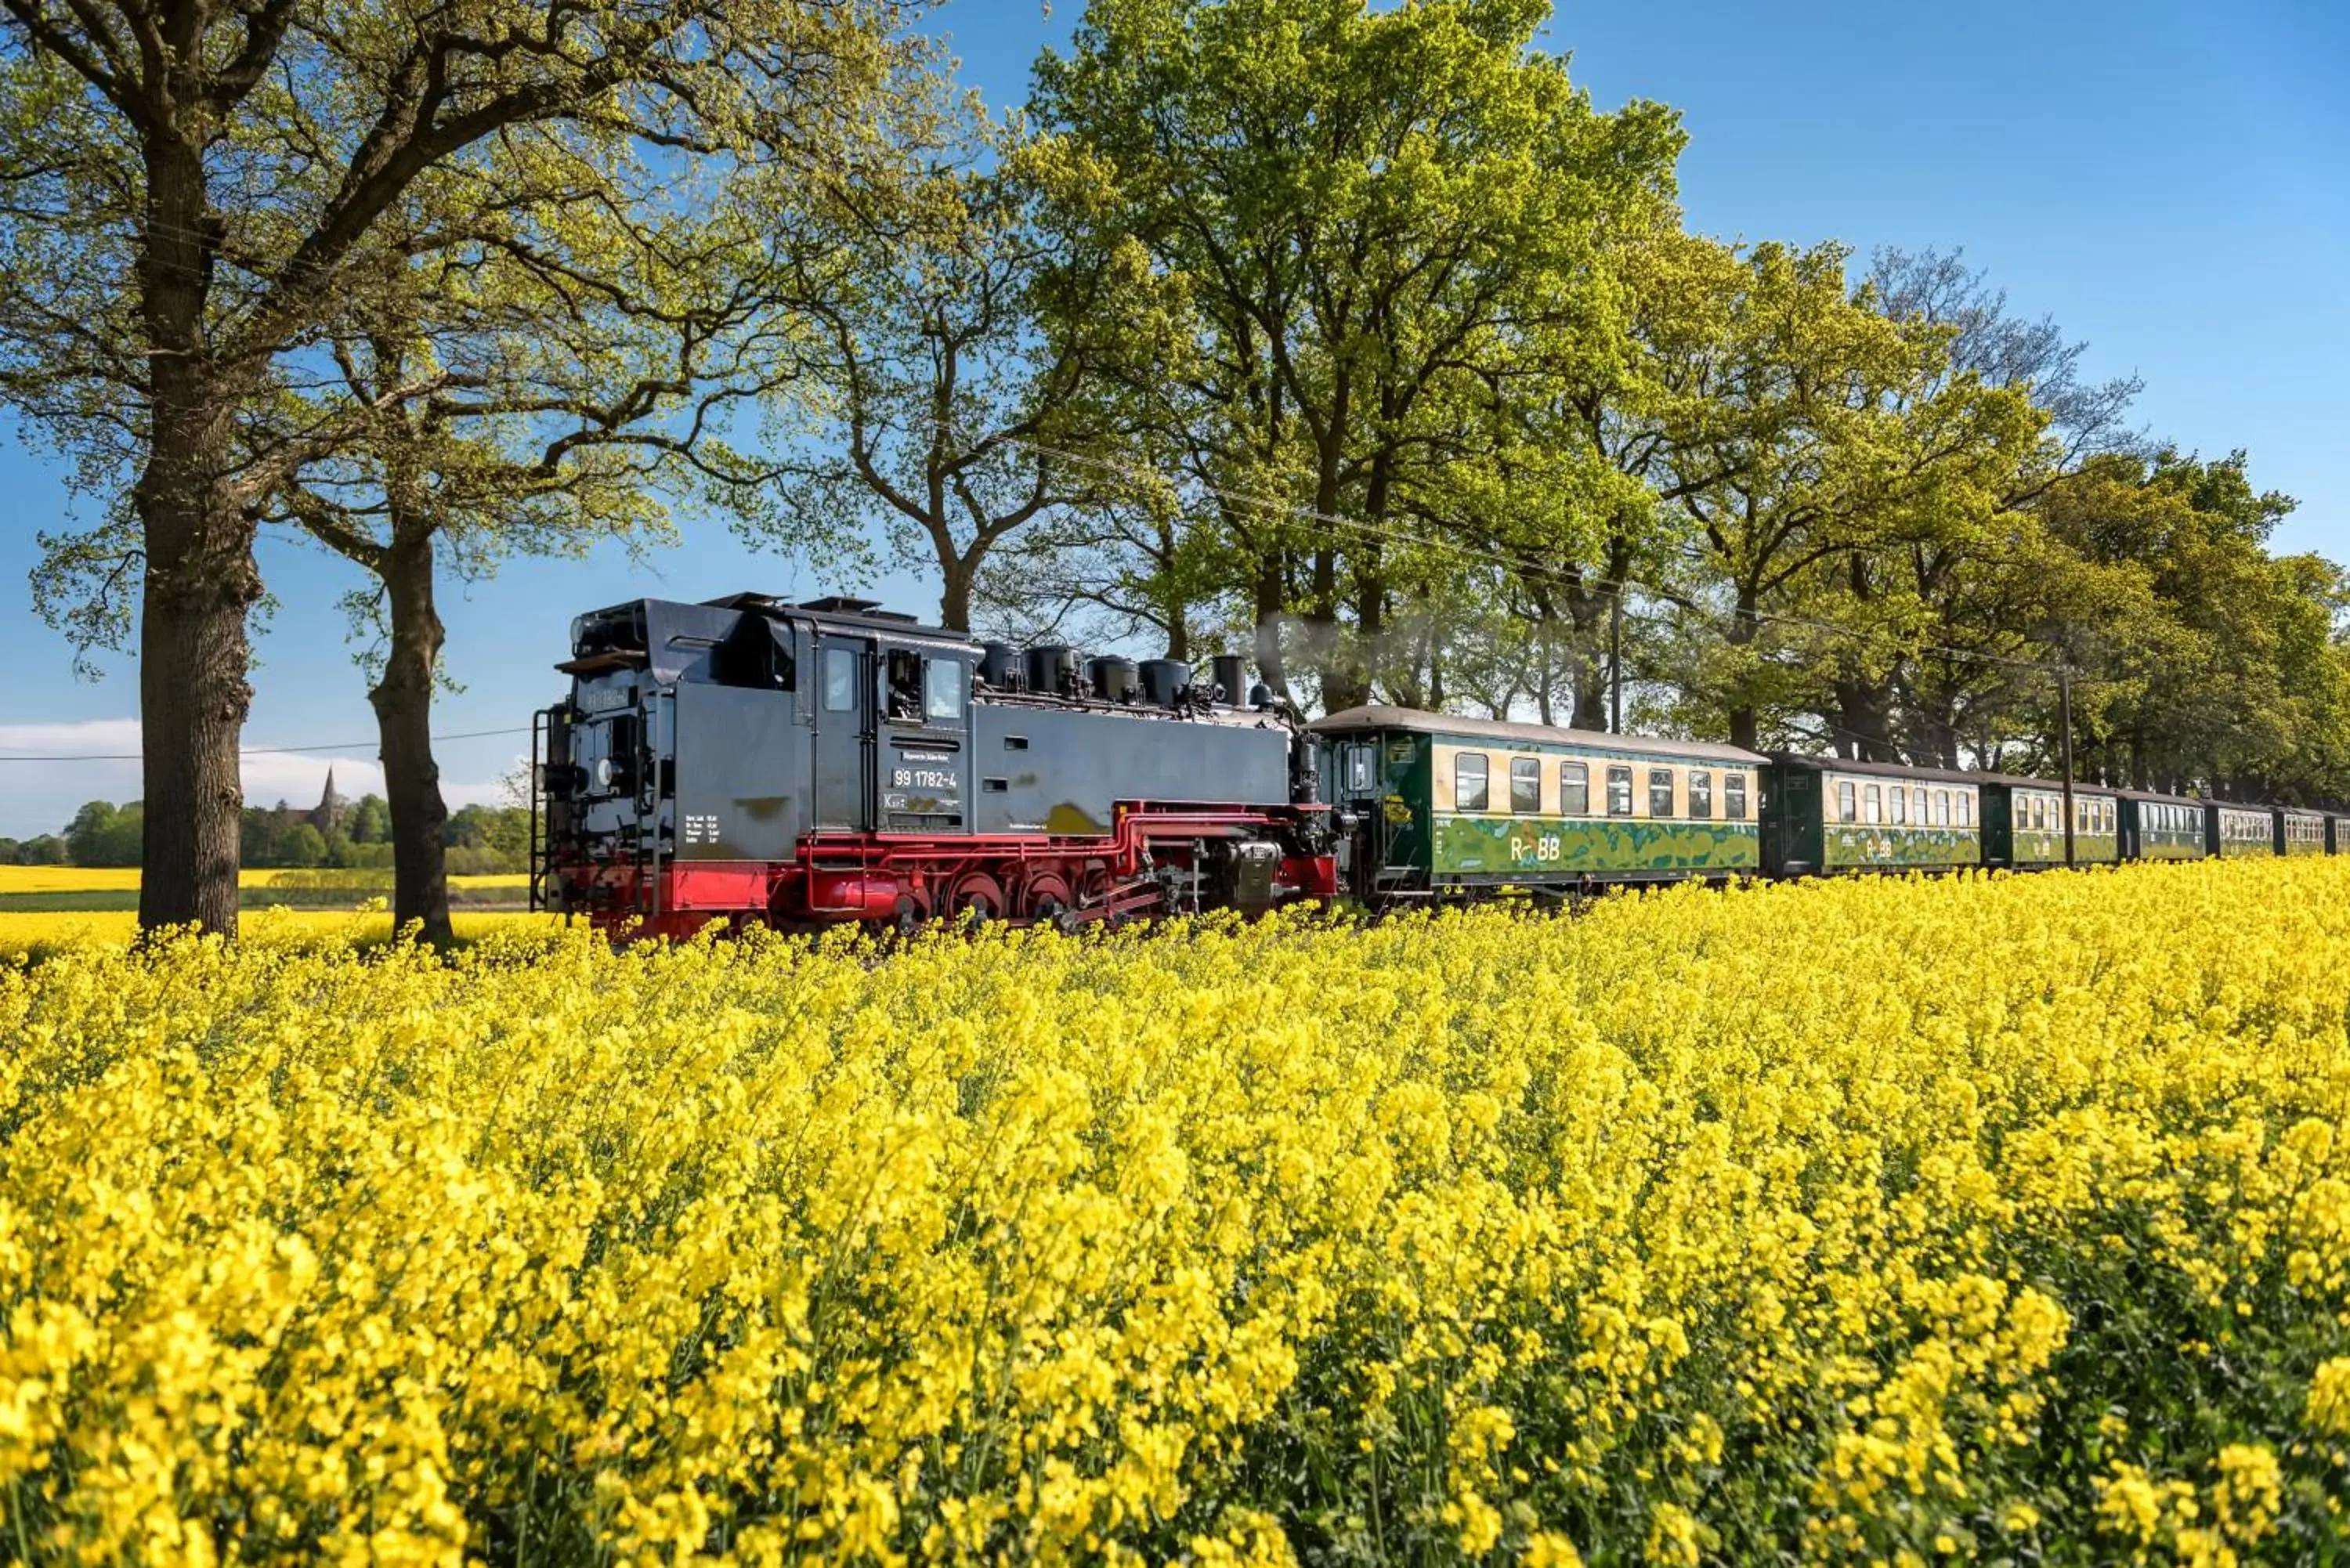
x=746 y=760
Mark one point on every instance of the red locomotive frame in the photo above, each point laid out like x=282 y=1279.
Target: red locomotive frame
x=906 y=879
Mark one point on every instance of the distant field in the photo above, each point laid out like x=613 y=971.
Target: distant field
x=96 y=888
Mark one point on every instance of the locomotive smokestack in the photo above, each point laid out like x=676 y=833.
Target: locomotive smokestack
x=1230 y=676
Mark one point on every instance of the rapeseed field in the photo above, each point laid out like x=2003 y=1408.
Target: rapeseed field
x=1902 y=1221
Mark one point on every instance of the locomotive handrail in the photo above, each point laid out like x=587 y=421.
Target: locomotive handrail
x=538 y=872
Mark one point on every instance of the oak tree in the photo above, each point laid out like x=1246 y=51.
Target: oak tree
x=194 y=198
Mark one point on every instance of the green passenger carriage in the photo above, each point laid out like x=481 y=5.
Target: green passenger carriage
x=2300 y=832
x=1826 y=814
x=2239 y=832
x=2162 y=826
x=2023 y=823
x=1443 y=805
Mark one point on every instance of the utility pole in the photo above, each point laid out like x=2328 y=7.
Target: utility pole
x=2065 y=748
x=1615 y=661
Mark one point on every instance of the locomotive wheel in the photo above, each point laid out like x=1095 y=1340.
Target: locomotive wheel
x=1044 y=895
x=980 y=894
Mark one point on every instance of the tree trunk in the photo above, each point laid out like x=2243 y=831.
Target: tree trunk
x=201 y=577
x=1865 y=714
x=1587 y=677
x=192 y=702
x=1745 y=727
x=1270 y=663
x=954 y=594
x=403 y=712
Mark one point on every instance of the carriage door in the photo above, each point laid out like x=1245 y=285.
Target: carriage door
x=843 y=734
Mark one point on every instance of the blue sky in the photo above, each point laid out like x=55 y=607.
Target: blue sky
x=2169 y=180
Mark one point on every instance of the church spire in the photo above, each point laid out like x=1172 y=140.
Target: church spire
x=327 y=818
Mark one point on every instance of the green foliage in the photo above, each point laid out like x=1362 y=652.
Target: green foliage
x=304 y=845
x=371 y=821
x=1372 y=235
x=102 y=834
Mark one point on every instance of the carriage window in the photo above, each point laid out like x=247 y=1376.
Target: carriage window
x=1574 y=789
x=1898 y=807
x=1918 y=812
x=1468 y=782
x=840 y=679
x=1734 y=797
x=1845 y=811
x=1525 y=786
x=1941 y=808
x=942 y=690
x=1872 y=804
x=1661 y=791
x=1966 y=808
x=1701 y=794
x=1620 y=792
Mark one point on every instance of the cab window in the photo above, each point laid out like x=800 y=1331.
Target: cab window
x=1661 y=791
x=840 y=679
x=1734 y=797
x=1525 y=786
x=1574 y=789
x=942 y=690
x=1846 y=810
x=904 y=667
x=1701 y=794
x=1620 y=792
x=1469 y=781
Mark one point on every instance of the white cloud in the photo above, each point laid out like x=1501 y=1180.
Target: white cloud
x=70 y=738
x=97 y=760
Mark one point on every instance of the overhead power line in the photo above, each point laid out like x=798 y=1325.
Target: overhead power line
x=1559 y=577
x=253 y=751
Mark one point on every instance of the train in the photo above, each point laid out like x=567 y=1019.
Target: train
x=747 y=760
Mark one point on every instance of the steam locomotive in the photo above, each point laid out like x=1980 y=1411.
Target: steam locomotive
x=750 y=761
x=747 y=760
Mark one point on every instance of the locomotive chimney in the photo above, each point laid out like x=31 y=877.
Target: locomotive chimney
x=1232 y=678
